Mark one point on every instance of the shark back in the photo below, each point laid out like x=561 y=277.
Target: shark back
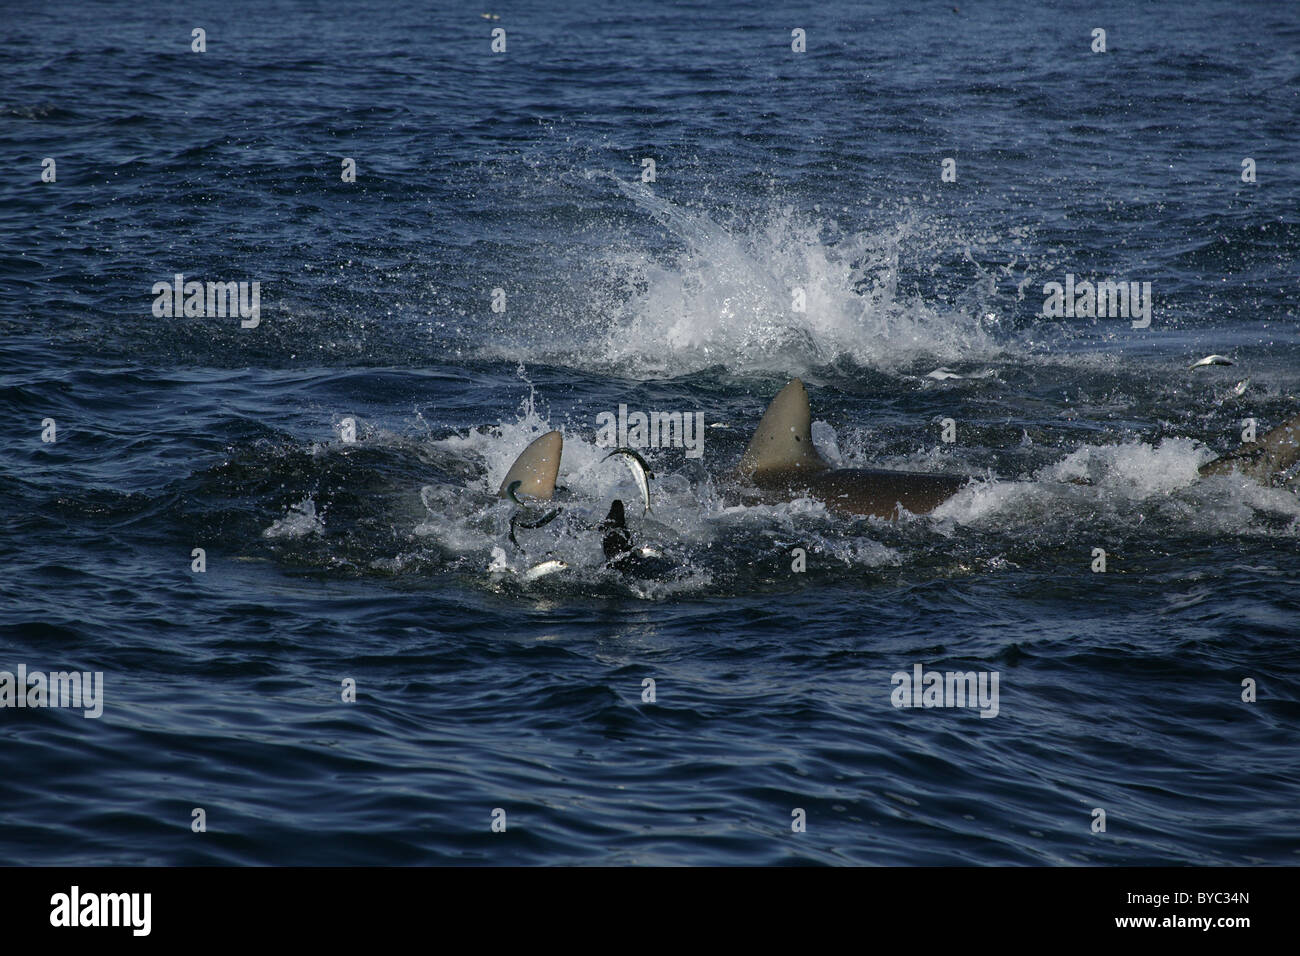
x=879 y=492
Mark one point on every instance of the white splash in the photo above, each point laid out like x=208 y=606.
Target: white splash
x=785 y=292
x=300 y=520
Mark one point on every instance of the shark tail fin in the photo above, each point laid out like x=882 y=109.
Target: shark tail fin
x=782 y=441
x=1263 y=459
x=535 y=470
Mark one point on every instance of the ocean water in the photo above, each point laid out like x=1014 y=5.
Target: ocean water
x=337 y=462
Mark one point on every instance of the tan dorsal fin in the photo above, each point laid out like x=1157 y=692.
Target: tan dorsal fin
x=783 y=440
x=535 y=469
x=1276 y=452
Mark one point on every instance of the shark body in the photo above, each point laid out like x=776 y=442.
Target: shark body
x=781 y=464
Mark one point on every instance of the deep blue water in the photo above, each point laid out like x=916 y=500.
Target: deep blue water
x=329 y=560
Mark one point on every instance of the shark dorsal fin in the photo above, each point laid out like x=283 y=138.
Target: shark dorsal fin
x=1271 y=455
x=783 y=440
x=535 y=469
